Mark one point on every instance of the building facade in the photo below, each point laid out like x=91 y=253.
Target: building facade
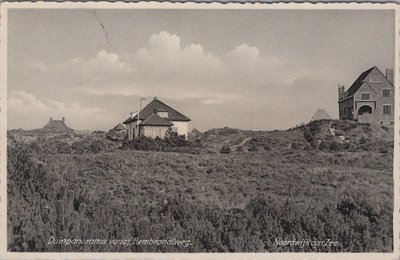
x=370 y=99
x=155 y=120
x=55 y=127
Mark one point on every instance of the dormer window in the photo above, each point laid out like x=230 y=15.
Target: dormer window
x=365 y=96
x=162 y=114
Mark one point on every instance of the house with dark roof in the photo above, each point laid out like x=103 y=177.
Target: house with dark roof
x=370 y=99
x=117 y=133
x=118 y=128
x=155 y=120
x=55 y=127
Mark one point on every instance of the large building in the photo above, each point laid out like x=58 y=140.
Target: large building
x=155 y=120
x=55 y=127
x=370 y=99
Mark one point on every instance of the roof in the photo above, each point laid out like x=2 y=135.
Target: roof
x=119 y=127
x=155 y=120
x=358 y=83
x=157 y=105
x=160 y=109
x=57 y=126
x=320 y=114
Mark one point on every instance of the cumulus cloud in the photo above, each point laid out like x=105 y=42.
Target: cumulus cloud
x=21 y=100
x=165 y=60
x=103 y=62
x=39 y=67
x=27 y=111
x=241 y=77
x=102 y=70
x=244 y=55
x=166 y=67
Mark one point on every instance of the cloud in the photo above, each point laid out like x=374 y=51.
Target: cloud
x=214 y=100
x=27 y=111
x=244 y=55
x=102 y=70
x=241 y=78
x=165 y=67
x=165 y=60
x=217 y=100
x=103 y=62
x=21 y=100
x=39 y=67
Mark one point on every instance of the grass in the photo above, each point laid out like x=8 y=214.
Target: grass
x=235 y=202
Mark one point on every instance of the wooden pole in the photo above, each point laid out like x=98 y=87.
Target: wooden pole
x=138 y=118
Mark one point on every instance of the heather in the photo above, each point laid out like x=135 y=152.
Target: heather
x=227 y=190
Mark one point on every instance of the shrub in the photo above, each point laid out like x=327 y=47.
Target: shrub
x=308 y=135
x=173 y=143
x=339 y=132
x=93 y=145
x=52 y=197
x=51 y=146
x=225 y=149
x=331 y=145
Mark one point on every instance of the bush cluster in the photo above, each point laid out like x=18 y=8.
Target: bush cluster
x=53 y=199
x=225 y=149
x=363 y=140
x=67 y=145
x=93 y=145
x=173 y=143
x=87 y=188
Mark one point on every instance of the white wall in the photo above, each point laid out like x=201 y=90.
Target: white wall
x=153 y=131
x=183 y=127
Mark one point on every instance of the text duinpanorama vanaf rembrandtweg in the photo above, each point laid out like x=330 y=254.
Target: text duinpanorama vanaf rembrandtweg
x=124 y=242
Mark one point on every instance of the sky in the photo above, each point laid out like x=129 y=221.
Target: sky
x=247 y=69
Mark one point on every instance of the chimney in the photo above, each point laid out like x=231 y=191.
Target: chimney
x=51 y=119
x=340 y=91
x=63 y=119
x=389 y=75
x=155 y=98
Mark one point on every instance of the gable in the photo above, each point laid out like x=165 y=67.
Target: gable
x=158 y=106
x=373 y=77
x=377 y=79
x=365 y=87
x=155 y=120
x=119 y=127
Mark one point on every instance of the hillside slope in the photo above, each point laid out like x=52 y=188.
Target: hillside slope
x=279 y=184
x=322 y=134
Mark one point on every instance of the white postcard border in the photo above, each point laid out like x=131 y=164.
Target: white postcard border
x=156 y=5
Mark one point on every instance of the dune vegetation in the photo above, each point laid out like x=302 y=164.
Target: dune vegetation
x=225 y=190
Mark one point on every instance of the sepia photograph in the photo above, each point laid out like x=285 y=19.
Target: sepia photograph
x=200 y=130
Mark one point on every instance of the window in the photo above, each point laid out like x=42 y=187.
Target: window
x=365 y=96
x=391 y=122
x=386 y=93
x=162 y=113
x=387 y=109
x=375 y=80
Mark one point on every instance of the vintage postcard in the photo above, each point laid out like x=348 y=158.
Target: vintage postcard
x=190 y=131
